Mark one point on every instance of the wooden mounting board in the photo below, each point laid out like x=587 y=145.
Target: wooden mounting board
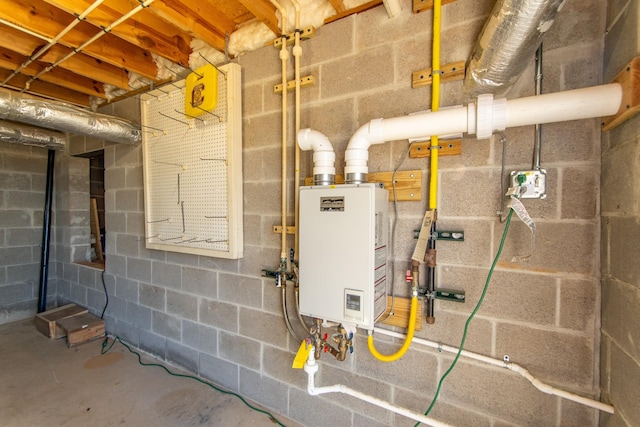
x=449 y=147
x=450 y=72
x=422 y=5
x=401 y=308
x=408 y=184
x=629 y=78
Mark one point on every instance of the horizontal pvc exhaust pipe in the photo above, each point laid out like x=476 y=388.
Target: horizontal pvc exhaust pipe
x=482 y=118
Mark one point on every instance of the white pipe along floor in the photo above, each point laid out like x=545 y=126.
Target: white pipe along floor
x=44 y=383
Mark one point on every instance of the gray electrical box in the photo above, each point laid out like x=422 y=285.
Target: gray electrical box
x=343 y=253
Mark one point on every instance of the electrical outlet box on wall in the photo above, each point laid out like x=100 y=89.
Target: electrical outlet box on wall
x=193 y=170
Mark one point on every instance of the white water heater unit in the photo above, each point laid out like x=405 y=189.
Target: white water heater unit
x=343 y=253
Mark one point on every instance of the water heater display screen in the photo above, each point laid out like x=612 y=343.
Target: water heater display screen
x=353 y=302
x=332 y=204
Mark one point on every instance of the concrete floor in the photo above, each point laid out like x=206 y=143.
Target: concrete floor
x=44 y=383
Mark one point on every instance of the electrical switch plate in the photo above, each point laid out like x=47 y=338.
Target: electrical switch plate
x=534 y=181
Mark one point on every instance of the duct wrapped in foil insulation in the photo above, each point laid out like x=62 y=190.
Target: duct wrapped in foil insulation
x=22 y=108
x=25 y=135
x=507 y=44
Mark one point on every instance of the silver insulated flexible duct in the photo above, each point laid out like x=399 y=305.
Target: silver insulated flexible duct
x=26 y=135
x=507 y=44
x=22 y=108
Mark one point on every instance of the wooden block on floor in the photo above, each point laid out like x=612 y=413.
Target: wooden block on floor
x=46 y=321
x=82 y=328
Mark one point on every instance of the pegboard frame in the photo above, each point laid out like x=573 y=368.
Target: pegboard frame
x=161 y=235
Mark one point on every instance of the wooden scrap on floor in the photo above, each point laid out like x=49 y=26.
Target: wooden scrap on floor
x=82 y=328
x=46 y=321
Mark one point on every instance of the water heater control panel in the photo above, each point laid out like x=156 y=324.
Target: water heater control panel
x=343 y=253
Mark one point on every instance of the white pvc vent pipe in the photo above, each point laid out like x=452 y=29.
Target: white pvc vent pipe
x=324 y=157
x=481 y=118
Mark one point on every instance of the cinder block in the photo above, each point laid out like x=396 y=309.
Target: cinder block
x=135 y=224
x=269 y=392
x=246 y=291
x=252 y=164
x=345 y=76
x=139 y=315
x=333 y=41
x=16 y=292
x=115 y=178
x=139 y=269
x=182 y=305
x=154 y=344
x=15 y=181
x=245 y=352
x=252 y=99
x=126 y=331
x=260 y=325
x=621 y=41
x=200 y=282
x=134 y=177
x=219 y=314
x=167 y=275
x=442 y=411
x=307 y=410
x=558 y=356
x=624 y=243
x=15 y=255
x=580 y=193
x=262 y=131
x=374 y=28
x=449 y=326
x=574 y=24
x=575 y=415
x=470 y=192
x=87 y=277
x=260 y=64
x=416 y=369
x=273 y=366
x=219 y=264
x=578 y=304
x=379 y=389
x=117 y=308
x=473 y=252
x=625 y=376
x=127 y=245
x=620 y=315
x=152 y=296
x=333 y=119
x=126 y=155
x=497 y=392
x=182 y=356
x=219 y=371
x=263 y=197
x=200 y=337
x=127 y=200
x=15 y=218
x=559 y=247
x=166 y=325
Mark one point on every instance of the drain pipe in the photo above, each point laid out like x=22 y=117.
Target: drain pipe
x=481 y=118
x=324 y=171
x=311 y=367
x=46 y=233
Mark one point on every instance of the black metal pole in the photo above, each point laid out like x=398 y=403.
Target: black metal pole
x=46 y=234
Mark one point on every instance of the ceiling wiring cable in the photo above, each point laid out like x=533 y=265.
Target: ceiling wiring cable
x=106 y=347
x=472 y=315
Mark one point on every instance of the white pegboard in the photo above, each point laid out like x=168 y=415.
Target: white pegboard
x=193 y=170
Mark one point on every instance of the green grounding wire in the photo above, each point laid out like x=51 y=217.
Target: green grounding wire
x=106 y=348
x=471 y=316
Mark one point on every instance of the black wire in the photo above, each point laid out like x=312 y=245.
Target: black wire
x=106 y=349
x=106 y=295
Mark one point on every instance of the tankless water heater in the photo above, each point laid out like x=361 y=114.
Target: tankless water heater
x=343 y=253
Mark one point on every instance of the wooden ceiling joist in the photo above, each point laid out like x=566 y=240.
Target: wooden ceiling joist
x=265 y=12
x=59 y=76
x=79 y=64
x=143 y=29
x=46 y=89
x=49 y=21
x=338 y=5
x=192 y=21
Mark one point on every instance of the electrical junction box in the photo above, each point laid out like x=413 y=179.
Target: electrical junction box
x=343 y=253
x=534 y=182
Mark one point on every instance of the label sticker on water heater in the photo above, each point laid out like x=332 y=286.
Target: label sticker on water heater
x=332 y=204
x=353 y=301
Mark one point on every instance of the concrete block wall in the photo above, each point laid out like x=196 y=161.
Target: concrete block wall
x=620 y=353
x=23 y=172
x=220 y=319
